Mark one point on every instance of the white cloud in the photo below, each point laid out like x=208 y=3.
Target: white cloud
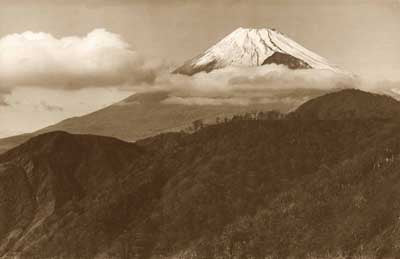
x=99 y=59
x=251 y=85
x=206 y=101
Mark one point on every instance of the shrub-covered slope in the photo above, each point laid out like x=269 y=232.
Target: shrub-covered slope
x=247 y=189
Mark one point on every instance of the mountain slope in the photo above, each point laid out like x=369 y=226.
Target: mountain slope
x=46 y=183
x=243 y=188
x=255 y=47
x=11 y=142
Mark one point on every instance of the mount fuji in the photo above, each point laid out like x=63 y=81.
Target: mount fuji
x=255 y=47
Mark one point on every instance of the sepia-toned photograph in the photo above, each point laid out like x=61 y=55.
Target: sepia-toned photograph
x=199 y=129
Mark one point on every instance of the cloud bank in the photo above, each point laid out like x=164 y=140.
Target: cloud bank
x=252 y=85
x=99 y=59
x=104 y=59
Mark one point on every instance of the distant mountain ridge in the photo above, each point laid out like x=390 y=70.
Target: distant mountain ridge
x=144 y=115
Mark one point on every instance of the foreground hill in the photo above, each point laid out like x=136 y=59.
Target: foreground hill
x=242 y=189
x=144 y=115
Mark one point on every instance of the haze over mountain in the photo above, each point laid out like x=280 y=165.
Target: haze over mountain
x=255 y=47
x=298 y=187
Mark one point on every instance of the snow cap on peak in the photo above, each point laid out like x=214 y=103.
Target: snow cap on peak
x=255 y=47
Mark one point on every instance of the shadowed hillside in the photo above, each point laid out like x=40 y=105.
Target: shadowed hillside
x=243 y=188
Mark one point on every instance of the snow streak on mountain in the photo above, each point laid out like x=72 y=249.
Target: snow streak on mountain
x=255 y=47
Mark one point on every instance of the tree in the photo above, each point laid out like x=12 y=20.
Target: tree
x=269 y=115
x=248 y=116
x=125 y=248
x=273 y=115
x=198 y=124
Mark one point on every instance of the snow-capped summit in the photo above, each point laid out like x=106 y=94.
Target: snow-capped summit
x=255 y=47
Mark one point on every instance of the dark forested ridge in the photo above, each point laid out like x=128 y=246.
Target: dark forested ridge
x=240 y=189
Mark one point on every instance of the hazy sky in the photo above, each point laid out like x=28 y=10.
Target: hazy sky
x=362 y=36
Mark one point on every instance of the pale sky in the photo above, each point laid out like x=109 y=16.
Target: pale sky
x=361 y=36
